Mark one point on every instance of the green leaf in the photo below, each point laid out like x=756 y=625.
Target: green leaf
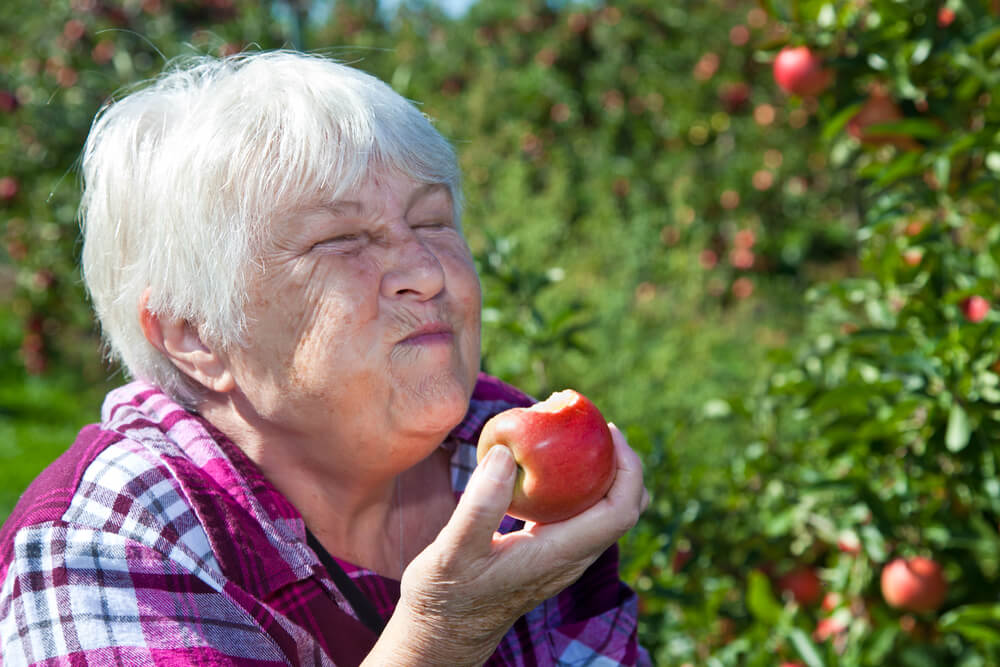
x=993 y=161
x=874 y=543
x=942 y=171
x=760 y=599
x=921 y=50
x=805 y=647
x=977 y=622
x=837 y=123
x=986 y=41
x=975 y=613
x=957 y=435
x=881 y=644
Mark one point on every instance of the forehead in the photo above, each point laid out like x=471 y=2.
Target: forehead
x=377 y=195
x=376 y=192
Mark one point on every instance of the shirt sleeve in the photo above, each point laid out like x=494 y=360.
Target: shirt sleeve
x=593 y=622
x=82 y=596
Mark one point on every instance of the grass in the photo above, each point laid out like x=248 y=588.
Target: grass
x=39 y=419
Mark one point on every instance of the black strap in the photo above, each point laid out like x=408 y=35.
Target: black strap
x=362 y=606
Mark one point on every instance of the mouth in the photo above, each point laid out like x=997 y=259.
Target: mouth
x=429 y=334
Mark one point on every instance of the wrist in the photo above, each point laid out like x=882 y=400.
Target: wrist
x=418 y=635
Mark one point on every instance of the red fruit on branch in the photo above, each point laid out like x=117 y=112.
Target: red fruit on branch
x=913 y=256
x=564 y=453
x=803 y=584
x=8 y=188
x=799 y=71
x=8 y=101
x=735 y=96
x=879 y=108
x=975 y=308
x=828 y=627
x=681 y=558
x=849 y=542
x=916 y=584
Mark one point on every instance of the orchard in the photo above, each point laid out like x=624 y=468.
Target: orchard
x=761 y=236
x=873 y=460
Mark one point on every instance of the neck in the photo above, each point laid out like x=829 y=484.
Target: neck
x=374 y=517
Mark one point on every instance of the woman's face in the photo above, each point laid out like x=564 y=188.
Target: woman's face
x=363 y=323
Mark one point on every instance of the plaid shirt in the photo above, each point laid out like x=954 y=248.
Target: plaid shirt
x=155 y=540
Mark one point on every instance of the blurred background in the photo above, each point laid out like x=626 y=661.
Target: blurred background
x=760 y=235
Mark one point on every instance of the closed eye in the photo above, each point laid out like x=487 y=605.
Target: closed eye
x=433 y=224
x=342 y=242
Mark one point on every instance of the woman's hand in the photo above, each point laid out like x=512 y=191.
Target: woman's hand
x=464 y=591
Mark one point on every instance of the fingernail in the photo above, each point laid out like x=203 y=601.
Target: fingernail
x=500 y=464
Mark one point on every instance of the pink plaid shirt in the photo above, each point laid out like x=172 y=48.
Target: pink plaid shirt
x=155 y=540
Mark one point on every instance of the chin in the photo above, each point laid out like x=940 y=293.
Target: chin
x=438 y=404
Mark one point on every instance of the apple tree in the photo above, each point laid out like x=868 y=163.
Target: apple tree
x=876 y=439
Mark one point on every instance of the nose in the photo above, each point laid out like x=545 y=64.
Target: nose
x=415 y=271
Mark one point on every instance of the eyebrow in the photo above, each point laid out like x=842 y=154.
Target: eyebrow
x=340 y=207
x=349 y=206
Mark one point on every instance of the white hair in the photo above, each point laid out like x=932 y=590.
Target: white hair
x=181 y=179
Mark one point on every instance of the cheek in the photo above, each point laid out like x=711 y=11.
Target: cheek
x=302 y=311
x=468 y=294
x=326 y=310
x=462 y=276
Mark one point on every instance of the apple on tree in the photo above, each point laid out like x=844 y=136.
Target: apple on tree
x=799 y=71
x=829 y=627
x=565 y=456
x=803 y=584
x=8 y=188
x=879 y=108
x=975 y=308
x=916 y=584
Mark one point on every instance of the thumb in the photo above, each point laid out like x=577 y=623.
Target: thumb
x=484 y=502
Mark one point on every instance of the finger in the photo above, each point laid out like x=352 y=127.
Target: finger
x=484 y=502
x=628 y=489
x=615 y=514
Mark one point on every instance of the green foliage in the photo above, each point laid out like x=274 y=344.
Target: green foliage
x=879 y=430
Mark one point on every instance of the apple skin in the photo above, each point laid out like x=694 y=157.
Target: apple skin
x=8 y=188
x=879 y=108
x=799 y=71
x=916 y=584
x=975 y=308
x=828 y=627
x=804 y=585
x=565 y=456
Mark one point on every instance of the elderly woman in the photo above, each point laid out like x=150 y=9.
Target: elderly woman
x=273 y=247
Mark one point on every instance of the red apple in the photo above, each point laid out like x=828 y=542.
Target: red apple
x=828 y=627
x=975 y=308
x=680 y=559
x=735 y=96
x=8 y=101
x=849 y=542
x=916 y=584
x=913 y=256
x=799 y=71
x=8 y=188
x=564 y=453
x=831 y=601
x=804 y=585
x=879 y=108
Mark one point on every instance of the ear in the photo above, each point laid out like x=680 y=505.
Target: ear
x=180 y=342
